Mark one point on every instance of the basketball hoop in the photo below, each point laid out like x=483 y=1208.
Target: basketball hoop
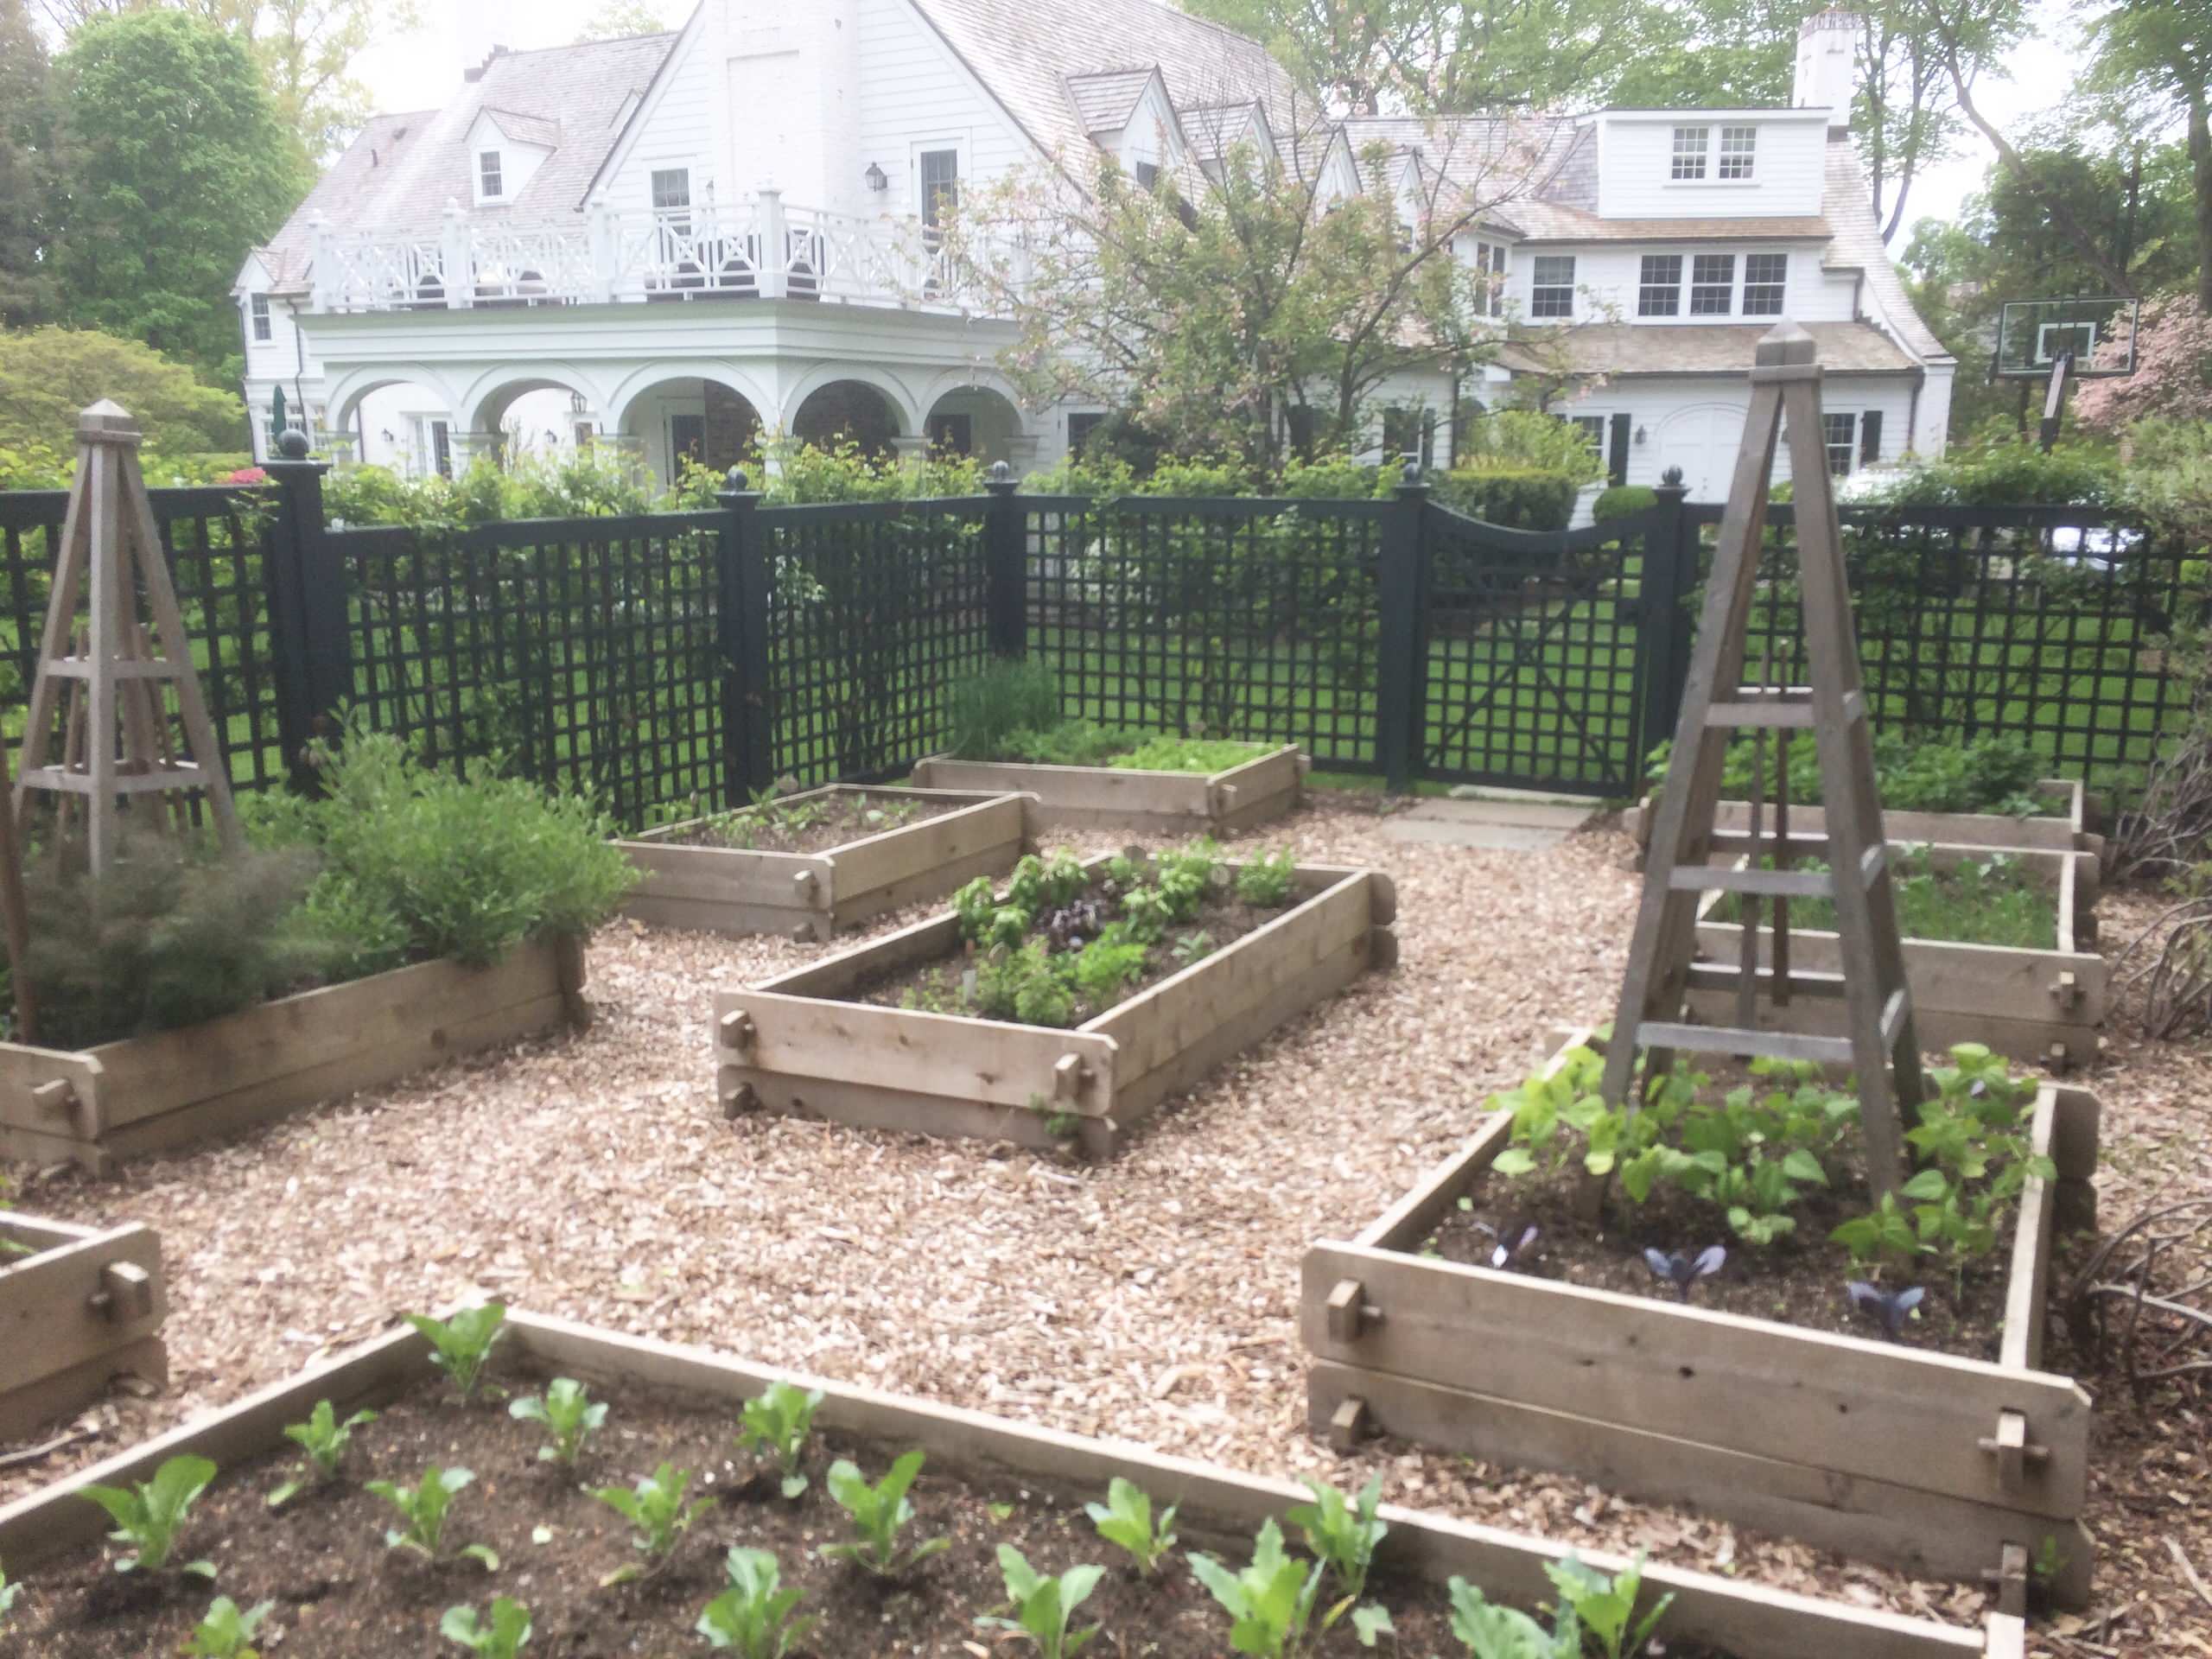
x=2059 y=342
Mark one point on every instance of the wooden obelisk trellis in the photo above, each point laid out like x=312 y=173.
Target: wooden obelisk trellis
x=117 y=743
x=1716 y=704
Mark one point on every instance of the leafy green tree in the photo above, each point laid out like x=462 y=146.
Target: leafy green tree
x=47 y=375
x=28 y=183
x=177 y=166
x=617 y=20
x=2153 y=63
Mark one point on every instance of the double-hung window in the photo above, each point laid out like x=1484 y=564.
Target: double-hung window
x=1738 y=150
x=1765 y=276
x=264 y=329
x=1712 y=284
x=940 y=186
x=1690 y=144
x=1551 y=288
x=1659 y=287
x=1839 y=433
x=490 y=182
x=1489 y=263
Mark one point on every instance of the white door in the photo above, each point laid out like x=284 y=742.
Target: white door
x=1702 y=441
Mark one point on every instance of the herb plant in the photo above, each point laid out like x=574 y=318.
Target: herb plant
x=753 y=1618
x=499 y=1635
x=776 y=1423
x=325 y=1440
x=227 y=1632
x=1125 y=1518
x=148 y=1516
x=1044 y=1608
x=1265 y=882
x=460 y=1345
x=880 y=1513
x=1606 y=1606
x=571 y=1415
x=1342 y=1531
x=1270 y=1602
x=424 y=1507
x=1682 y=1269
x=1491 y=1631
x=1195 y=946
x=657 y=1508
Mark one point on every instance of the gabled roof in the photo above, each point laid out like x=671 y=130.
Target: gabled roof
x=398 y=175
x=1532 y=159
x=1616 y=349
x=1848 y=201
x=1107 y=100
x=1213 y=130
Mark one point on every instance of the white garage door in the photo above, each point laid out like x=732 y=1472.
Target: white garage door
x=1702 y=441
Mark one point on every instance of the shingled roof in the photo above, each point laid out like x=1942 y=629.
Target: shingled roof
x=1108 y=100
x=1626 y=348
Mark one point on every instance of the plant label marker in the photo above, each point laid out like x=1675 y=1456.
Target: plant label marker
x=1881 y=1046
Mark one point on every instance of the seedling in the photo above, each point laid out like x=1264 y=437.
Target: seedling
x=657 y=1508
x=753 y=1618
x=1682 y=1269
x=1342 y=1531
x=227 y=1633
x=571 y=1415
x=1606 y=1606
x=1491 y=1631
x=325 y=1440
x=1125 y=1518
x=459 y=1345
x=1194 y=946
x=501 y=1635
x=1888 y=1308
x=1044 y=1607
x=777 y=1424
x=880 y=1512
x=423 y=1507
x=148 y=1516
x=1270 y=1602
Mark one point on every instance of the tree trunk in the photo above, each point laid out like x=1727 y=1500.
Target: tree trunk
x=2200 y=165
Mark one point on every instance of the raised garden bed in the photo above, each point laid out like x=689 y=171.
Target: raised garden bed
x=2068 y=826
x=81 y=1306
x=144 y=1094
x=811 y=864
x=1150 y=802
x=1944 y=1466
x=802 y=1044
x=985 y=1480
x=2045 y=1006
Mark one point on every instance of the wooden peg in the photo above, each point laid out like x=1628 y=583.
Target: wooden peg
x=808 y=884
x=2014 y=1452
x=1348 y=1423
x=737 y=1029
x=126 y=1293
x=2066 y=991
x=2008 y=1581
x=1351 y=1315
x=739 y=1099
x=1070 y=1077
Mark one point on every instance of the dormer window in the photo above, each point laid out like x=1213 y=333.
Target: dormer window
x=1690 y=144
x=1739 y=149
x=491 y=184
x=1147 y=175
x=1489 y=263
x=264 y=329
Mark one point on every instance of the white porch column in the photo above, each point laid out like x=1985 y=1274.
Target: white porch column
x=600 y=233
x=324 y=276
x=775 y=246
x=911 y=453
x=457 y=257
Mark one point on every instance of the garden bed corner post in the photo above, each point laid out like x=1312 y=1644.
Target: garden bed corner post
x=741 y=634
x=306 y=604
x=1006 y=564
x=1402 y=671
x=1669 y=582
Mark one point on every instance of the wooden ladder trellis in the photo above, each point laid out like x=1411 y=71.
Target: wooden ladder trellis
x=1880 y=1043
x=116 y=740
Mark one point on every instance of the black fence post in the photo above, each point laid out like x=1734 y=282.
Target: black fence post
x=307 y=638
x=1670 y=573
x=1401 y=676
x=741 y=603
x=1006 y=574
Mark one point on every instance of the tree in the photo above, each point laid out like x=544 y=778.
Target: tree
x=1253 y=310
x=47 y=375
x=28 y=182
x=619 y=19
x=2173 y=370
x=177 y=166
x=2154 y=63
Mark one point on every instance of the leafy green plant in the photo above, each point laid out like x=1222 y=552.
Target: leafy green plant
x=656 y=1506
x=324 y=1439
x=1199 y=754
x=1885 y=1232
x=1192 y=947
x=501 y=1635
x=1019 y=694
x=424 y=1507
x=227 y=1632
x=1106 y=964
x=148 y=1516
x=1491 y=1631
x=880 y=1513
x=1342 y=1531
x=1270 y=1602
x=1265 y=883
x=1125 y=1518
x=753 y=1618
x=1044 y=1608
x=459 y=1346
x=571 y=1415
x=776 y=1423
x=1024 y=983
x=1606 y=1606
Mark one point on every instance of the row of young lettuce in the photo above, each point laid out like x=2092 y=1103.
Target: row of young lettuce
x=1278 y=1606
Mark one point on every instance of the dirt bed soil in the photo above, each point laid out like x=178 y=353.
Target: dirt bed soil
x=811 y=826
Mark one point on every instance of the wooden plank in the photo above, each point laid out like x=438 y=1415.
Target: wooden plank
x=25 y=1410
x=1258 y=790
x=1926 y=1534
x=931 y=939
x=1950 y=977
x=40 y=1232
x=713 y=916
x=2027 y=1288
x=1724 y=1037
x=937 y=882
x=894 y=857
x=901 y=1111
x=30 y=1131
x=729 y=875
x=1116 y=797
x=47 y=1321
x=2058 y=832
x=1840 y=1403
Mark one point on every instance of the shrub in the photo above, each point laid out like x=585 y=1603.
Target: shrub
x=1622 y=499
x=1516 y=497
x=1019 y=694
x=174 y=934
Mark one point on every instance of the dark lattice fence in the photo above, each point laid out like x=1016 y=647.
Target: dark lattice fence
x=2046 y=623
x=876 y=611
x=1252 y=618
x=217 y=542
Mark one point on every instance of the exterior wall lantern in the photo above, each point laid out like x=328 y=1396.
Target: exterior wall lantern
x=877 y=180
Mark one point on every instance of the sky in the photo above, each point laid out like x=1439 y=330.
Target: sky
x=422 y=70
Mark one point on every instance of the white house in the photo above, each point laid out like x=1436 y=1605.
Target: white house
x=673 y=240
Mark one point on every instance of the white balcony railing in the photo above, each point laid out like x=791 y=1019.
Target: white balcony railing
x=759 y=250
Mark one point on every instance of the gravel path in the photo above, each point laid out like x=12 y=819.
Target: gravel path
x=1153 y=1299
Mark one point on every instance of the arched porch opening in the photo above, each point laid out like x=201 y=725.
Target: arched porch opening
x=979 y=423
x=848 y=411
x=406 y=425
x=690 y=419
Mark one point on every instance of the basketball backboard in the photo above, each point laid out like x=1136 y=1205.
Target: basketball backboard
x=2033 y=334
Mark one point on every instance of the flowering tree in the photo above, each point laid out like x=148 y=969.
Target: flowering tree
x=1231 y=310
x=2173 y=370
